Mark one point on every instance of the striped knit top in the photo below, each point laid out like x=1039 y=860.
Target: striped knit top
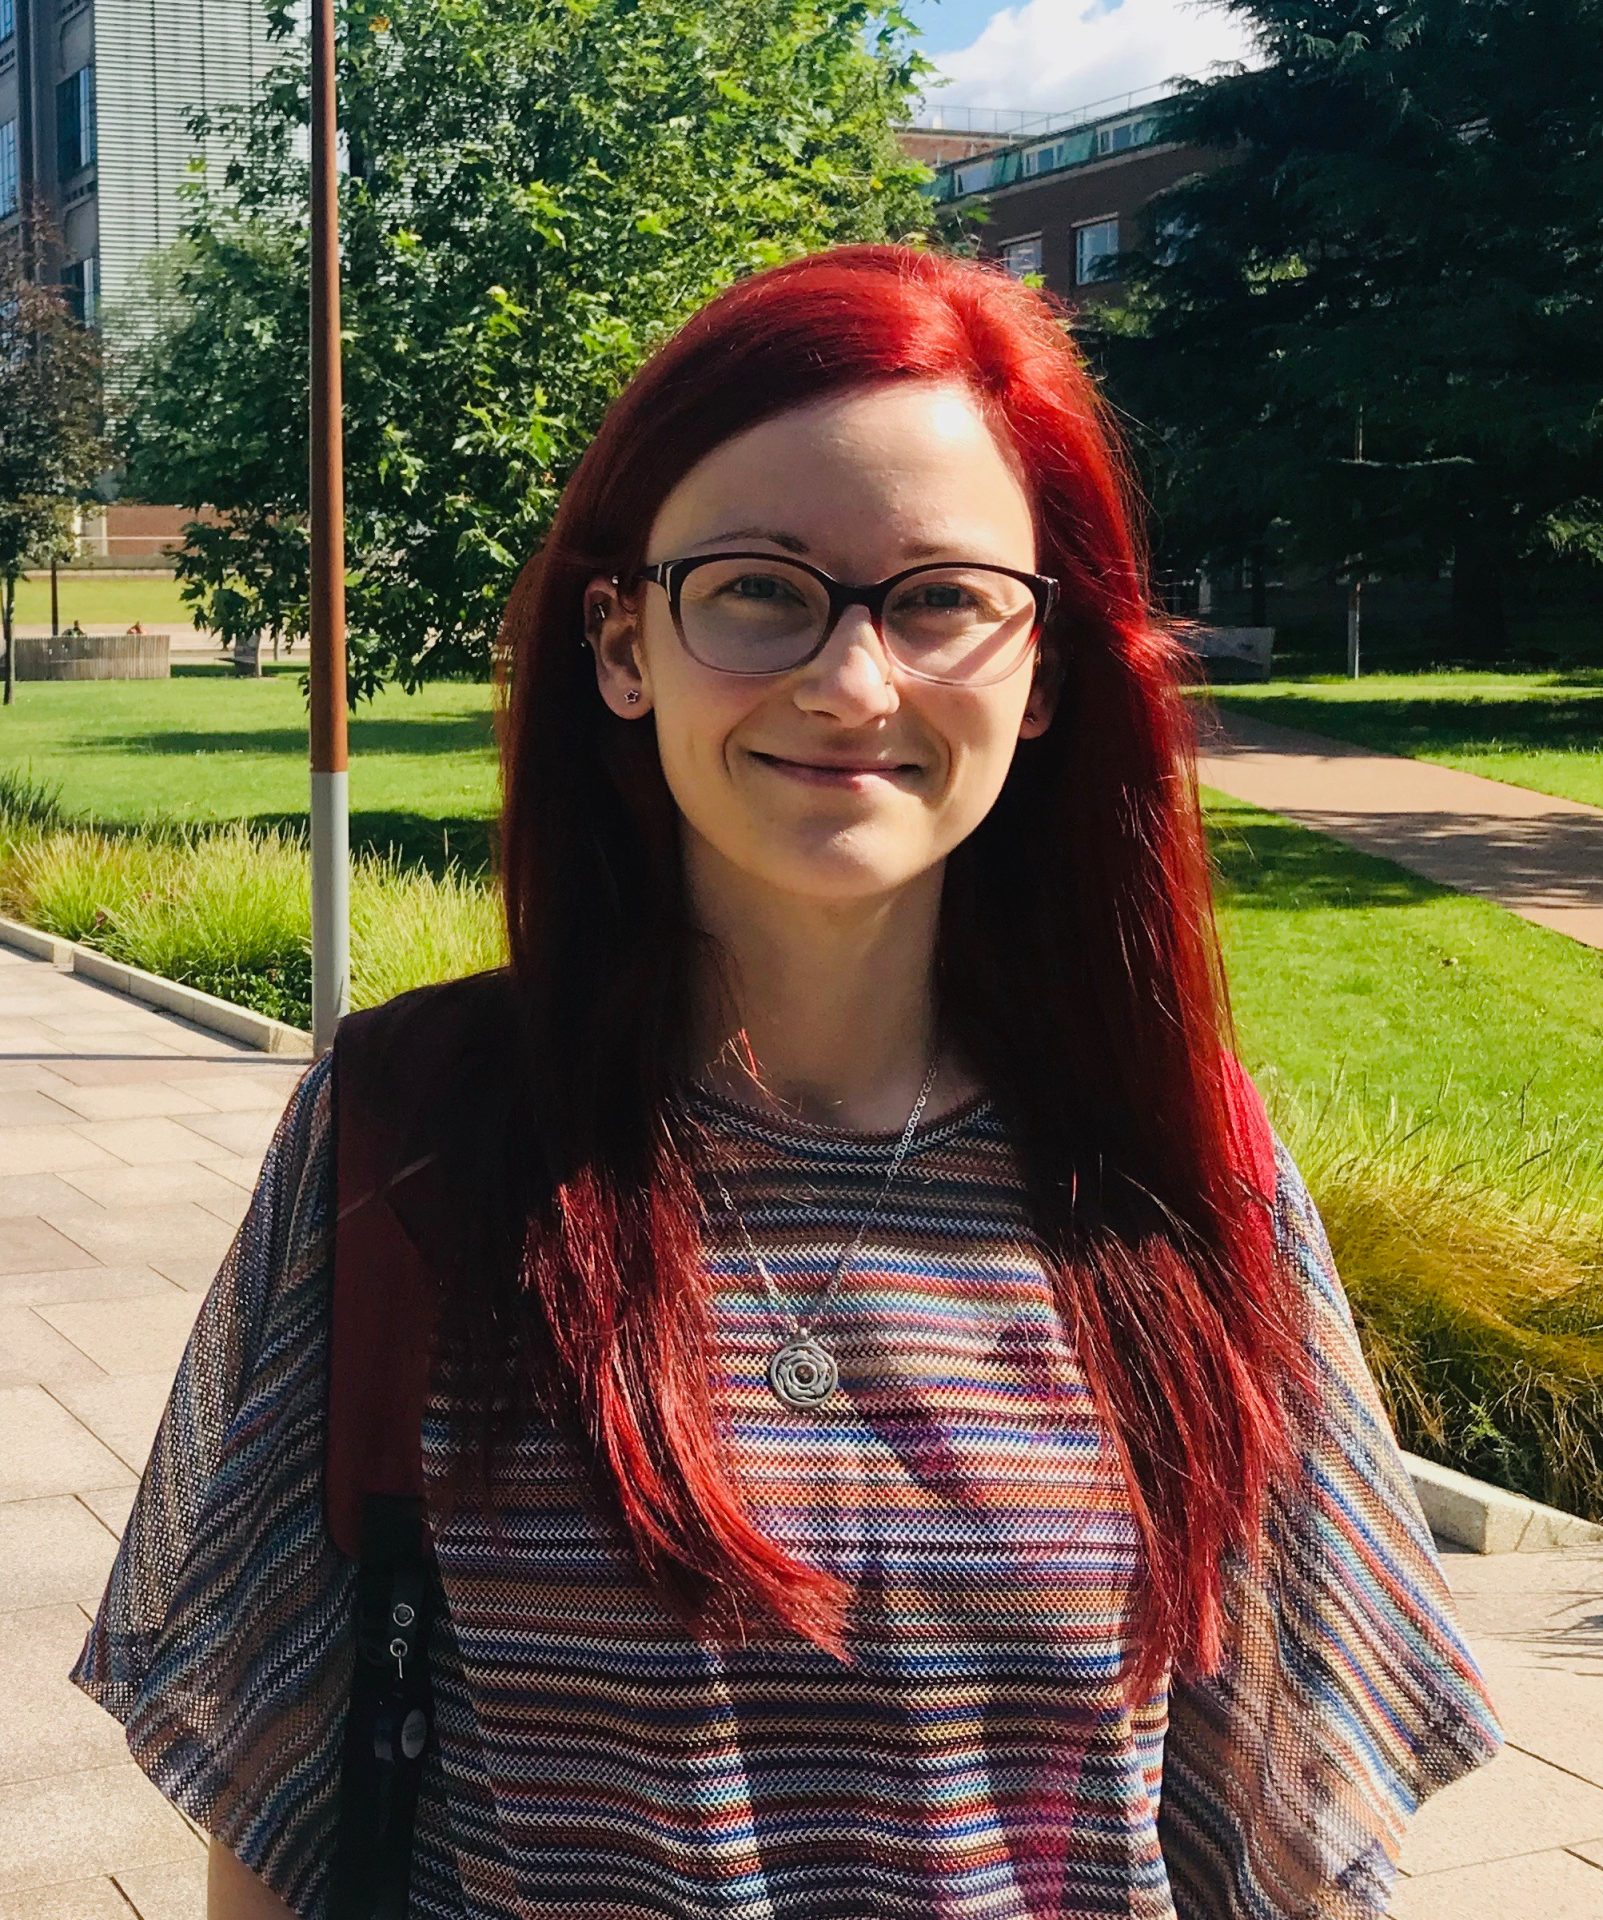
x=973 y=1761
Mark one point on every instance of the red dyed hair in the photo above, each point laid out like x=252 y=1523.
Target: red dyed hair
x=1078 y=967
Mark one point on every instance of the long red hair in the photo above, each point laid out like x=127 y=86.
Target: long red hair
x=1078 y=969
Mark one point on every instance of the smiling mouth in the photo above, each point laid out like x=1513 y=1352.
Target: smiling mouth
x=826 y=769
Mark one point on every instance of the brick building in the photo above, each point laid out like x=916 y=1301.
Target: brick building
x=1066 y=194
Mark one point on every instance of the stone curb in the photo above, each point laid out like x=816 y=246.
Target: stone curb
x=189 y=1003
x=1487 y=1519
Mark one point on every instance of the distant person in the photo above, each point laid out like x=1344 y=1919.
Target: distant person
x=937 y=1473
x=76 y=631
x=137 y=627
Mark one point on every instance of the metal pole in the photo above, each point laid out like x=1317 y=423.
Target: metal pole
x=331 y=840
x=55 y=605
x=1355 y=592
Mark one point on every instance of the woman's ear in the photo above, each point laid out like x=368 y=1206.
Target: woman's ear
x=1046 y=687
x=611 y=631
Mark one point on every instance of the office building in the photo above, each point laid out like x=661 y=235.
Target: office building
x=95 y=102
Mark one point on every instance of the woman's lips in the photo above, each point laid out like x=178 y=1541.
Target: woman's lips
x=821 y=776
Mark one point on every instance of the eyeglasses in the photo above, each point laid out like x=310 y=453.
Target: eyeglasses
x=751 y=613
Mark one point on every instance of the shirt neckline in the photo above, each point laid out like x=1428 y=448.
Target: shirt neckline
x=787 y=1129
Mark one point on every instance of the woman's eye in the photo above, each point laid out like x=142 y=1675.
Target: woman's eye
x=757 y=586
x=937 y=598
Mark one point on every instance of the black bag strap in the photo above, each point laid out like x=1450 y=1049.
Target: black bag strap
x=380 y=1346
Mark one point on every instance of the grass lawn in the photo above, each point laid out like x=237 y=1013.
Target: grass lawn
x=1343 y=965
x=99 y=600
x=206 y=746
x=1537 y=730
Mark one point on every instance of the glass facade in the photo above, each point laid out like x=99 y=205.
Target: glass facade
x=1072 y=147
x=8 y=18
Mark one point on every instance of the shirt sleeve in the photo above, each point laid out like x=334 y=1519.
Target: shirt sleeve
x=222 y=1642
x=1348 y=1695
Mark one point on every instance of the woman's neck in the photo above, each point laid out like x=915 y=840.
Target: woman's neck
x=828 y=1013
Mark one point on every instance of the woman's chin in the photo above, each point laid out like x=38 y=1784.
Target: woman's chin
x=837 y=875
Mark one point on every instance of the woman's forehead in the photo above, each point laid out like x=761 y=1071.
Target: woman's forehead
x=912 y=468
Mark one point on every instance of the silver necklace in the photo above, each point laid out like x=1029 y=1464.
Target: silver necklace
x=802 y=1371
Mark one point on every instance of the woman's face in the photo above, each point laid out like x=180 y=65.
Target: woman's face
x=861 y=485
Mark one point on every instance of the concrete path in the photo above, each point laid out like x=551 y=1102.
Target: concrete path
x=1538 y=856
x=128 y=1145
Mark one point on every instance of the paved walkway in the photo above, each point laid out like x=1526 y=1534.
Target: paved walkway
x=1538 y=856
x=128 y=1145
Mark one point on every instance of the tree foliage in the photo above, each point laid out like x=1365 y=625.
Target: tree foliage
x=1404 y=231
x=539 y=190
x=51 y=445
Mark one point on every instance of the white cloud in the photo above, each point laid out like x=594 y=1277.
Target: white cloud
x=1050 y=55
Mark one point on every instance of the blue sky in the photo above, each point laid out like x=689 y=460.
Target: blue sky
x=1049 y=55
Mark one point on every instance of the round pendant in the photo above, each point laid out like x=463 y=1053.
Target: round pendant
x=802 y=1373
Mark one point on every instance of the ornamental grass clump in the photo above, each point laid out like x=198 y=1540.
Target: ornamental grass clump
x=1475 y=1275
x=410 y=927
x=227 y=909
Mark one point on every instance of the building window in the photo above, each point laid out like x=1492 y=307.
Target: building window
x=75 y=123
x=1094 y=246
x=977 y=175
x=1125 y=134
x=1023 y=255
x=8 y=168
x=1067 y=150
x=82 y=280
x=8 y=18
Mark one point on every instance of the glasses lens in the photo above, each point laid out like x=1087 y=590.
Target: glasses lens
x=960 y=623
x=751 y=616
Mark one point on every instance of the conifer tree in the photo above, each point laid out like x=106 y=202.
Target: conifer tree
x=1401 y=245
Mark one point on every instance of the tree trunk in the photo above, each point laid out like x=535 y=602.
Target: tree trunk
x=248 y=657
x=1257 y=576
x=8 y=609
x=1480 y=625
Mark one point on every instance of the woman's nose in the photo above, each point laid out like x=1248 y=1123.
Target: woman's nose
x=853 y=675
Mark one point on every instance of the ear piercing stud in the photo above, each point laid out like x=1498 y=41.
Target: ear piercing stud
x=631 y=696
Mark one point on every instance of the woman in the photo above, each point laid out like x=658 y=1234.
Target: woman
x=932 y=1483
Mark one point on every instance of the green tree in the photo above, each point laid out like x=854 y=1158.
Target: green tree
x=1404 y=232
x=51 y=447
x=538 y=191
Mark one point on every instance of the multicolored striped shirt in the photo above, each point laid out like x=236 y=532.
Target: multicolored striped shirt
x=975 y=1760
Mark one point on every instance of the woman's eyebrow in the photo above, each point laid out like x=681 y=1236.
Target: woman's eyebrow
x=915 y=550
x=790 y=541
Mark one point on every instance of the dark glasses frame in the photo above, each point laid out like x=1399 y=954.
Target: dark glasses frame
x=670 y=575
